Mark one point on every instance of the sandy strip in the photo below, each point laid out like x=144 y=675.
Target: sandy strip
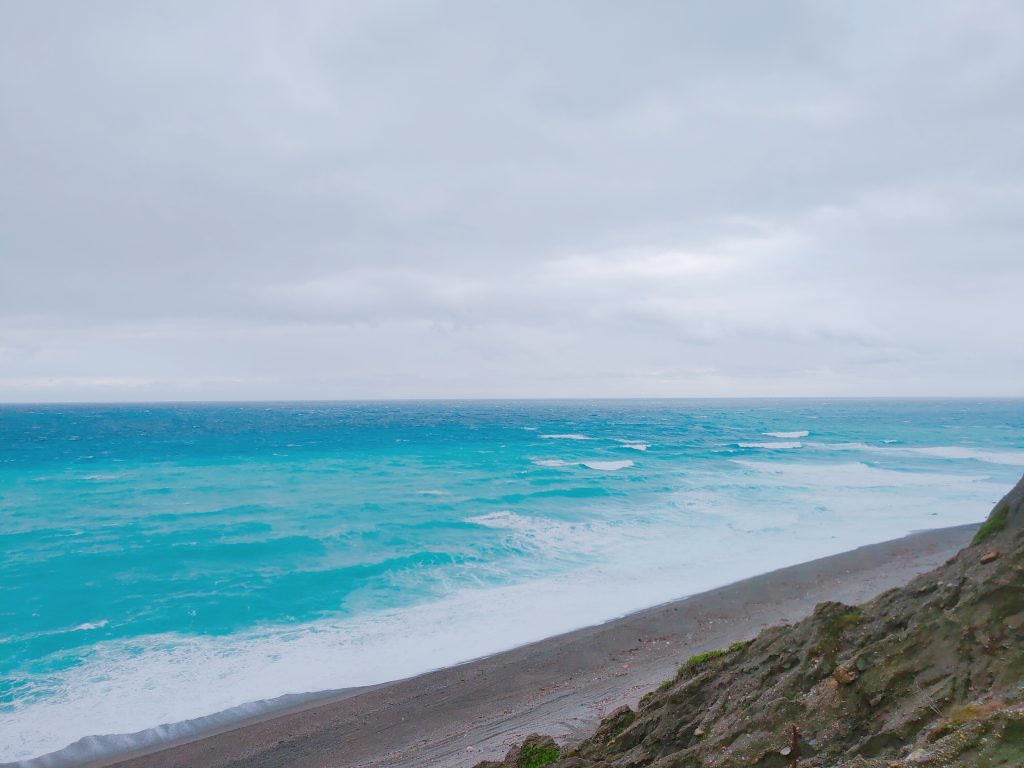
x=560 y=686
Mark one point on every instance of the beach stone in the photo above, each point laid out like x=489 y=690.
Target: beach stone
x=989 y=557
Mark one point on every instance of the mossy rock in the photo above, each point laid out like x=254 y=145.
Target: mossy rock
x=537 y=751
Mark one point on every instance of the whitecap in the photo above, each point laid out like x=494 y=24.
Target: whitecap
x=636 y=445
x=554 y=463
x=788 y=435
x=90 y=625
x=566 y=437
x=607 y=466
x=772 y=446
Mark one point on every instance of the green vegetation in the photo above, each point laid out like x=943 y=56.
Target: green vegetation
x=698 y=661
x=536 y=755
x=996 y=522
x=702 y=658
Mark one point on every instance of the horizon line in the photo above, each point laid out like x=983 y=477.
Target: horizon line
x=619 y=398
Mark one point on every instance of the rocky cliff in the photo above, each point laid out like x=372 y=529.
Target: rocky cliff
x=931 y=674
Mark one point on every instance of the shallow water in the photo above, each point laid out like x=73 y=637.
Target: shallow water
x=166 y=562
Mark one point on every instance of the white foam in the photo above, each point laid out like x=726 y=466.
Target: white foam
x=551 y=538
x=608 y=466
x=90 y=625
x=636 y=445
x=856 y=475
x=953 y=452
x=566 y=437
x=776 y=446
x=1008 y=458
x=790 y=435
x=603 y=466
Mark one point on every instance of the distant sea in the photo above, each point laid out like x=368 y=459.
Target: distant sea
x=162 y=563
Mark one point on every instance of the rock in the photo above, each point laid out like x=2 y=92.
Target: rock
x=844 y=675
x=989 y=557
x=615 y=723
x=699 y=733
x=919 y=756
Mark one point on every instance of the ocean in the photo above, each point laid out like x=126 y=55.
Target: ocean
x=170 y=567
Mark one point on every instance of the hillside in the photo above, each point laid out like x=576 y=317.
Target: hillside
x=931 y=674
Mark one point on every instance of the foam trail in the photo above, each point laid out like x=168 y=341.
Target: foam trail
x=1009 y=458
x=789 y=435
x=775 y=446
x=952 y=452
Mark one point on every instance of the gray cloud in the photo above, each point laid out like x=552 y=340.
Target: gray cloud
x=258 y=200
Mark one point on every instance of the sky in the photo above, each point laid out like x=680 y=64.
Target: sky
x=306 y=200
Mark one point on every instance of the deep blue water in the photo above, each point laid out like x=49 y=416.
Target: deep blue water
x=166 y=562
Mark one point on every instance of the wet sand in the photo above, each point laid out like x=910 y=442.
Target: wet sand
x=559 y=686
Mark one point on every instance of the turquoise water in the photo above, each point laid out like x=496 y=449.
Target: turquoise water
x=166 y=562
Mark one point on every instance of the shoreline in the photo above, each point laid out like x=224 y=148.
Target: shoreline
x=563 y=685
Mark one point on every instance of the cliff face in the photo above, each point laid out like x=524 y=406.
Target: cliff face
x=931 y=674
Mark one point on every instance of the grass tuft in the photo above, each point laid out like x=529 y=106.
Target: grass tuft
x=996 y=522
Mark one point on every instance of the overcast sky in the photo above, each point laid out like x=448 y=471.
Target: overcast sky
x=523 y=199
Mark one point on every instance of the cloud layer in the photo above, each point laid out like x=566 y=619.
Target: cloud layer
x=392 y=199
